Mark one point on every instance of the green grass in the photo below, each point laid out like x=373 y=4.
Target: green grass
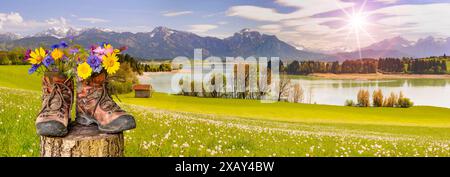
x=18 y=77
x=448 y=66
x=415 y=116
x=187 y=126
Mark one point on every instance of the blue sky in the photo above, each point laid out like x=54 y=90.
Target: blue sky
x=311 y=24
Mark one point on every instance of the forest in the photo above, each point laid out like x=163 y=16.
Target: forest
x=431 y=65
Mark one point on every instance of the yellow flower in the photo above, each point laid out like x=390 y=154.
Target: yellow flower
x=57 y=54
x=84 y=70
x=37 y=56
x=110 y=63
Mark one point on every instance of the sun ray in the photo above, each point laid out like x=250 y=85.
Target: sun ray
x=356 y=24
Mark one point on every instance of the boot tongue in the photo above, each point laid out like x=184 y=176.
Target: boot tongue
x=55 y=77
x=59 y=79
x=100 y=79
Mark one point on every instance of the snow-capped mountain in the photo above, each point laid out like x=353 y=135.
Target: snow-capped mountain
x=166 y=43
x=6 y=37
x=397 y=43
x=59 y=32
x=400 y=47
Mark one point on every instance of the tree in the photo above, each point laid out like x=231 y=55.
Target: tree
x=349 y=103
x=377 y=98
x=4 y=60
x=363 y=98
x=283 y=86
x=391 y=101
x=298 y=93
x=404 y=102
x=293 y=68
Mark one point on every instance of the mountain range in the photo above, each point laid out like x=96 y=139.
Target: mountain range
x=398 y=47
x=165 y=43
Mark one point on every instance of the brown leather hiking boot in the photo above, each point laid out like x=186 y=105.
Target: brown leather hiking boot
x=95 y=105
x=57 y=100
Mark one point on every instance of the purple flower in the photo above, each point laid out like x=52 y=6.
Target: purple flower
x=74 y=51
x=94 y=62
x=48 y=61
x=55 y=46
x=33 y=69
x=98 y=69
x=64 y=44
x=27 y=55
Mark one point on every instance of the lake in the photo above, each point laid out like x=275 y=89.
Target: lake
x=430 y=92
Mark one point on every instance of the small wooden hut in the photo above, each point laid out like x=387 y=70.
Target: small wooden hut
x=142 y=90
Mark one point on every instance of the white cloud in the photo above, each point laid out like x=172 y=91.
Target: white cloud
x=173 y=14
x=304 y=9
x=201 y=28
x=11 y=18
x=256 y=13
x=93 y=20
x=61 y=21
x=14 y=22
x=222 y=23
x=270 y=28
x=387 y=1
x=431 y=19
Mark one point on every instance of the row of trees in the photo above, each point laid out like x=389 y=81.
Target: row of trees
x=286 y=91
x=163 y=67
x=13 y=57
x=140 y=67
x=378 y=100
x=348 y=66
x=436 y=65
x=427 y=66
x=250 y=84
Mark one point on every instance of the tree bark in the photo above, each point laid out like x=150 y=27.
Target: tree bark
x=83 y=141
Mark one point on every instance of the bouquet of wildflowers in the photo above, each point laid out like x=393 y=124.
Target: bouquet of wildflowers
x=71 y=60
x=58 y=59
x=102 y=58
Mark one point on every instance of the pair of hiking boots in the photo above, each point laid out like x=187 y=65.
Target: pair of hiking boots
x=94 y=105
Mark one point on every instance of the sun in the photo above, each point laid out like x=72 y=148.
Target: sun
x=357 y=22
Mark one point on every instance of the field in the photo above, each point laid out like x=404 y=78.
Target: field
x=187 y=126
x=448 y=66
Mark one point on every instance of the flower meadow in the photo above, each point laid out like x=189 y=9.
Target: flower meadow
x=181 y=134
x=74 y=60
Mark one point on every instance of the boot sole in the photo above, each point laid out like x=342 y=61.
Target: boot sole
x=120 y=124
x=51 y=128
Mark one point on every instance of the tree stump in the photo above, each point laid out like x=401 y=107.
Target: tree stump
x=83 y=141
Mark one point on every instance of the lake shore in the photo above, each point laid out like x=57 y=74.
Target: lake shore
x=379 y=76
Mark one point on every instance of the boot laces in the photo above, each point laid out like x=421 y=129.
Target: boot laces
x=104 y=100
x=50 y=105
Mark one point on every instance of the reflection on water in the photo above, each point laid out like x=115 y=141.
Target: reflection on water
x=431 y=92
